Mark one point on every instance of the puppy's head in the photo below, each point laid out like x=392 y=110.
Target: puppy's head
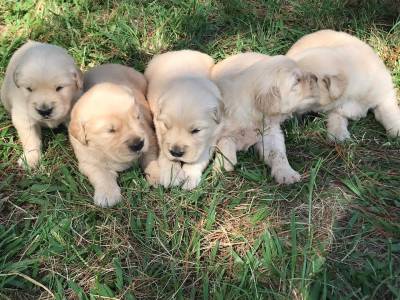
x=328 y=66
x=49 y=80
x=331 y=87
x=288 y=88
x=108 y=119
x=188 y=119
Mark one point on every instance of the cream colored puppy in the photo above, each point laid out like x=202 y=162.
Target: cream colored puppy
x=40 y=86
x=352 y=78
x=187 y=114
x=259 y=92
x=111 y=127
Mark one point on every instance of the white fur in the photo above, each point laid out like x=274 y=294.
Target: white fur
x=183 y=98
x=258 y=94
x=367 y=83
x=115 y=99
x=32 y=77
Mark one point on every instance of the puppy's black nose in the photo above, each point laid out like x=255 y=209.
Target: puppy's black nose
x=136 y=145
x=176 y=152
x=44 y=111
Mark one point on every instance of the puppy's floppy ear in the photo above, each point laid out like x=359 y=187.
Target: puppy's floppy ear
x=268 y=102
x=77 y=130
x=335 y=84
x=78 y=77
x=218 y=112
x=15 y=77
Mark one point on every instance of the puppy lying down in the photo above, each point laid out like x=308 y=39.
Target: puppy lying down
x=259 y=92
x=352 y=79
x=40 y=86
x=111 y=127
x=187 y=117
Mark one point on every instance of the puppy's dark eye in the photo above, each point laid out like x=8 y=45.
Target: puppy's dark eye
x=194 y=131
x=59 y=88
x=112 y=130
x=29 y=89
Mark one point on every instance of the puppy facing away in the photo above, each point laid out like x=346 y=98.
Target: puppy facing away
x=111 y=127
x=352 y=80
x=41 y=85
x=257 y=98
x=187 y=114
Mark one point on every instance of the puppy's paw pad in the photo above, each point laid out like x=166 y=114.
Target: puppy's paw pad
x=286 y=176
x=29 y=160
x=107 y=197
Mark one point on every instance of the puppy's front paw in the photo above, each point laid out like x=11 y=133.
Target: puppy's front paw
x=338 y=135
x=152 y=173
x=29 y=160
x=285 y=175
x=394 y=131
x=107 y=196
x=171 y=174
x=192 y=177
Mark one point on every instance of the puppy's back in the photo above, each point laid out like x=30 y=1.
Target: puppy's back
x=169 y=67
x=235 y=64
x=175 y=64
x=117 y=74
x=327 y=39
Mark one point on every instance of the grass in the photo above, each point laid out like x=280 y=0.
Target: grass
x=335 y=235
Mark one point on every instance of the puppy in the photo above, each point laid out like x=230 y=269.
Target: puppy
x=259 y=92
x=187 y=114
x=352 y=80
x=111 y=127
x=40 y=86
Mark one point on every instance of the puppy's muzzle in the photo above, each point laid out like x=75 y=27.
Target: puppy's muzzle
x=176 y=151
x=136 y=145
x=45 y=111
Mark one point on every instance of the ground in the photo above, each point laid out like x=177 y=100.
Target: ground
x=336 y=234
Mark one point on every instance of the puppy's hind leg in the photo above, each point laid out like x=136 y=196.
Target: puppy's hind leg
x=388 y=114
x=30 y=137
x=225 y=157
x=272 y=149
x=337 y=127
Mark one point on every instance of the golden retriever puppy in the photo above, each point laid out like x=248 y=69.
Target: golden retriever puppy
x=111 y=127
x=187 y=114
x=352 y=79
x=40 y=86
x=259 y=92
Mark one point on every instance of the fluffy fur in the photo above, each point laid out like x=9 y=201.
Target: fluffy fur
x=259 y=92
x=111 y=127
x=352 y=80
x=40 y=87
x=187 y=114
